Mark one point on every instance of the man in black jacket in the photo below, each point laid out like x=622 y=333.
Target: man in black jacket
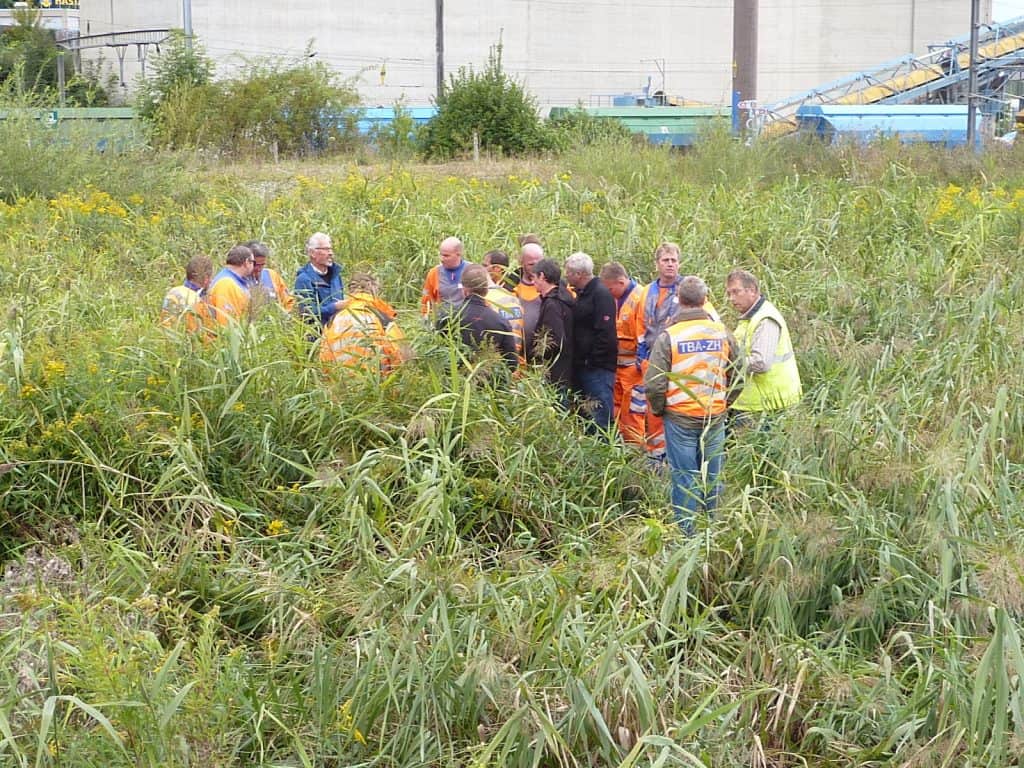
x=552 y=343
x=477 y=323
x=595 y=341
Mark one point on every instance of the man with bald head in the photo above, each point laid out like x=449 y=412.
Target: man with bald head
x=526 y=291
x=442 y=290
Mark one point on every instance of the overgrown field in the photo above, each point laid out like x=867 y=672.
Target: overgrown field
x=218 y=556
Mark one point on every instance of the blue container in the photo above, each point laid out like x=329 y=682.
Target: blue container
x=909 y=123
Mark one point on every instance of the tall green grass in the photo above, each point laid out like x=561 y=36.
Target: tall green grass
x=217 y=554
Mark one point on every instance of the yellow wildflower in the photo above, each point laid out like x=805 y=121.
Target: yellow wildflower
x=276 y=528
x=54 y=369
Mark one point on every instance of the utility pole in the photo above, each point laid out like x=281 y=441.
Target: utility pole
x=744 y=53
x=186 y=22
x=972 y=80
x=439 y=18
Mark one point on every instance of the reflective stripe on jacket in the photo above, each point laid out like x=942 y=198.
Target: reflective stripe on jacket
x=698 y=381
x=509 y=309
x=779 y=386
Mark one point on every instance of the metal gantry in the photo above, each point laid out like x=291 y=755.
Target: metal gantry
x=938 y=76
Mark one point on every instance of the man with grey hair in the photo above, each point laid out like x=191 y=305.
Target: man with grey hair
x=318 y=286
x=692 y=377
x=595 y=342
x=267 y=285
x=773 y=377
x=523 y=285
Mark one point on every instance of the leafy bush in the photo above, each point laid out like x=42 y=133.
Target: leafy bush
x=281 y=107
x=178 y=66
x=397 y=140
x=29 y=61
x=294 y=108
x=490 y=104
x=579 y=128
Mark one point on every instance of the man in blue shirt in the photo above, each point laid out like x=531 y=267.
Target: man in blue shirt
x=318 y=287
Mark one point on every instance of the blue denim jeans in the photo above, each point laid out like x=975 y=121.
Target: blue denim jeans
x=695 y=459
x=597 y=386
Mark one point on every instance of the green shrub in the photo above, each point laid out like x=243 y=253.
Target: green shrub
x=579 y=128
x=292 y=108
x=272 y=106
x=29 y=61
x=490 y=104
x=178 y=66
x=398 y=139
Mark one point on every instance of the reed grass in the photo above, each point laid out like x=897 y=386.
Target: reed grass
x=217 y=554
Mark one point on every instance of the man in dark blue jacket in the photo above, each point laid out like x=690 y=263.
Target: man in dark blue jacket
x=318 y=287
x=477 y=324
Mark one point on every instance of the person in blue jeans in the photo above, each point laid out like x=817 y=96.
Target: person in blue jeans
x=595 y=341
x=692 y=377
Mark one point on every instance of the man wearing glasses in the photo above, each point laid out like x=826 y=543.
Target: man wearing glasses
x=318 y=285
x=228 y=295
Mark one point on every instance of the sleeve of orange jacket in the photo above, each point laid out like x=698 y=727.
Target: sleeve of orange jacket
x=431 y=292
x=638 y=316
x=284 y=296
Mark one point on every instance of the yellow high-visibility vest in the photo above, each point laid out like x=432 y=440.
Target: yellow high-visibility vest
x=779 y=387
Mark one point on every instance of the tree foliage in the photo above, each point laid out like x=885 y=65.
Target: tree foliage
x=178 y=67
x=490 y=104
x=289 y=107
x=576 y=128
x=29 y=61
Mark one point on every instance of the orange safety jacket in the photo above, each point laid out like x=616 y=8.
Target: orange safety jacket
x=186 y=304
x=698 y=381
x=229 y=296
x=363 y=336
x=442 y=285
x=625 y=324
x=273 y=285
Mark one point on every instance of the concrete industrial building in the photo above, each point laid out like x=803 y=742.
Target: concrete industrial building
x=565 y=51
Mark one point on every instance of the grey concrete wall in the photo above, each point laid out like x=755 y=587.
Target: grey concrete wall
x=564 y=50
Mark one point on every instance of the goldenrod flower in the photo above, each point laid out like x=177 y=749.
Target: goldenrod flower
x=276 y=528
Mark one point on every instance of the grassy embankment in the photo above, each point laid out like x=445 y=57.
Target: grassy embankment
x=241 y=562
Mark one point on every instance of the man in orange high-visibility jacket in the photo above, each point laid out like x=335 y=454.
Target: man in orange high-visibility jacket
x=502 y=300
x=692 y=376
x=658 y=307
x=630 y=405
x=185 y=305
x=363 y=334
x=267 y=284
x=524 y=286
x=229 y=291
x=442 y=288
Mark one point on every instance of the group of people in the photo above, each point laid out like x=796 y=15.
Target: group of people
x=653 y=360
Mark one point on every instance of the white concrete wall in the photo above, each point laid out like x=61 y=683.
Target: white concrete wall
x=806 y=44
x=564 y=50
